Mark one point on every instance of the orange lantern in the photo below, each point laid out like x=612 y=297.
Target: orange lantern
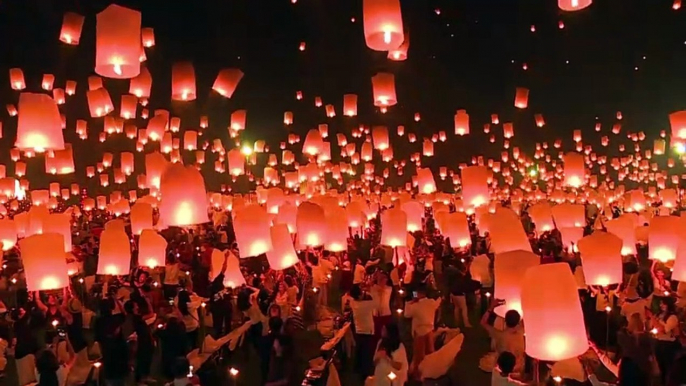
x=118 y=42
x=140 y=85
x=238 y=118
x=336 y=230
x=475 y=185
x=314 y=143
x=115 y=252
x=17 y=79
x=383 y=24
x=521 y=98
x=601 y=257
x=394 y=228
x=663 y=238
x=72 y=23
x=555 y=328
x=456 y=228
x=99 y=102
x=461 y=122
x=233 y=277
x=39 y=127
x=573 y=5
x=8 y=234
x=140 y=217
x=45 y=265
x=184 y=200
x=183 y=82
x=282 y=255
x=148 y=37
x=425 y=181
x=540 y=122
x=152 y=249
x=509 y=270
x=575 y=170
x=400 y=54
x=383 y=87
x=227 y=81
x=251 y=225
x=311 y=225
x=350 y=105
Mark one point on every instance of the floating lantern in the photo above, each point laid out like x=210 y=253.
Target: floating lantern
x=510 y=269
x=394 y=228
x=140 y=85
x=118 y=42
x=140 y=217
x=184 y=200
x=461 y=122
x=336 y=230
x=227 y=81
x=45 y=265
x=148 y=37
x=311 y=225
x=8 y=234
x=152 y=249
x=521 y=98
x=573 y=5
x=475 y=186
x=383 y=86
x=238 y=118
x=39 y=127
x=17 y=79
x=601 y=258
x=253 y=236
x=282 y=255
x=575 y=170
x=183 y=82
x=115 y=252
x=663 y=238
x=233 y=277
x=72 y=23
x=383 y=24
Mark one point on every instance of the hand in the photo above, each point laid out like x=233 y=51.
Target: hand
x=496 y=302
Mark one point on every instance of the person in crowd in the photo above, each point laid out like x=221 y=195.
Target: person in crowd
x=115 y=357
x=511 y=339
x=390 y=357
x=55 y=313
x=171 y=346
x=635 y=343
x=187 y=311
x=183 y=375
x=144 y=344
x=321 y=271
x=171 y=276
x=221 y=304
x=502 y=374
x=381 y=293
x=665 y=327
x=459 y=284
x=363 y=307
x=422 y=310
x=49 y=371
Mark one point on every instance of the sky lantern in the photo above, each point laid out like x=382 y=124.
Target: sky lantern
x=311 y=225
x=461 y=122
x=336 y=230
x=414 y=212
x=140 y=85
x=383 y=87
x=17 y=79
x=555 y=328
x=601 y=258
x=236 y=161
x=148 y=37
x=380 y=137
x=140 y=217
x=475 y=186
x=59 y=223
x=183 y=82
x=184 y=200
x=118 y=42
x=394 y=228
x=573 y=5
x=507 y=233
x=99 y=102
x=509 y=270
x=45 y=265
x=521 y=98
x=677 y=120
x=152 y=249
x=542 y=216
x=190 y=140
x=39 y=127
x=233 y=277
x=663 y=238
x=314 y=143
x=427 y=148
x=538 y=118
x=155 y=164
x=115 y=252
x=575 y=170
x=569 y=215
x=282 y=255
x=227 y=81
x=383 y=24
x=127 y=109
x=238 y=119
x=400 y=54
x=251 y=225
x=48 y=81
x=8 y=234
x=425 y=181
x=72 y=23
x=456 y=227
x=350 y=105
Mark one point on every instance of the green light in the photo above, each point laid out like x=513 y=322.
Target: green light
x=680 y=148
x=533 y=172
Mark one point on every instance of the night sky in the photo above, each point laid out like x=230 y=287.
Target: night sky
x=616 y=55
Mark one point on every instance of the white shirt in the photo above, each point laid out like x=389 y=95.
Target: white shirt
x=358 y=274
x=321 y=270
x=498 y=380
x=382 y=296
x=670 y=326
x=423 y=313
x=635 y=307
x=363 y=315
x=384 y=368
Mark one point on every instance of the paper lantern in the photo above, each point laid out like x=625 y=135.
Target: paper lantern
x=507 y=233
x=575 y=170
x=414 y=213
x=569 y=215
x=115 y=252
x=461 y=122
x=155 y=165
x=282 y=255
x=314 y=143
x=663 y=238
x=184 y=200
x=383 y=24
x=542 y=215
x=456 y=228
x=183 y=82
x=236 y=161
x=425 y=181
x=601 y=258
x=400 y=54
x=227 y=81
x=540 y=122
x=349 y=104
x=427 y=148
x=253 y=236
x=140 y=217
x=39 y=127
x=475 y=186
x=17 y=79
x=521 y=98
x=148 y=37
x=311 y=225
x=72 y=23
x=99 y=102
x=152 y=249
x=394 y=228
x=45 y=265
x=233 y=277
x=59 y=223
x=573 y=5
x=336 y=230
x=555 y=328
x=383 y=87
x=238 y=118
x=8 y=234
x=140 y=85
x=118 y=42
x=509 y=269
x=677 y=120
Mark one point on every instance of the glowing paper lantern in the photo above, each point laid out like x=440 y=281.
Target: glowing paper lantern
x=236 y=161
x=400 y=54
x=380 y=137
x=45 y=265
x=663 y=238
x=8 y=234
x=507 y=233
x=383 y=24
x=140 y=217
x=349 y=104
x=456 y=228
x=383 y=87
x=282 y=255
x=148 y=37
x=17 y=79
x=233 y=277
x=461 y=122
x=251 y=225
x=238 y=118
x=575 y=170
x=569 y=215
x=475 y=186
x=509 y=270
x=155 y=165
x=39 y=127
x=184 y=200
x=521 y=98
x=394 y=228
x=310 y=222
x=183 y=82
x=227 y=81
x=140 y=85
x=425 y=181
x=99 y=102
x=601 y=258
x=314 y=143
x=336 y=230
x=115 y=252
x=555 y=327
x=72 y=23
x=152 y=249
x=542 y=215
x=573 y=5
x=59 y=223
x=414 y=212
x=118 y=42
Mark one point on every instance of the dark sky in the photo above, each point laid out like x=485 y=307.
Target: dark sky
x=469 y=56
